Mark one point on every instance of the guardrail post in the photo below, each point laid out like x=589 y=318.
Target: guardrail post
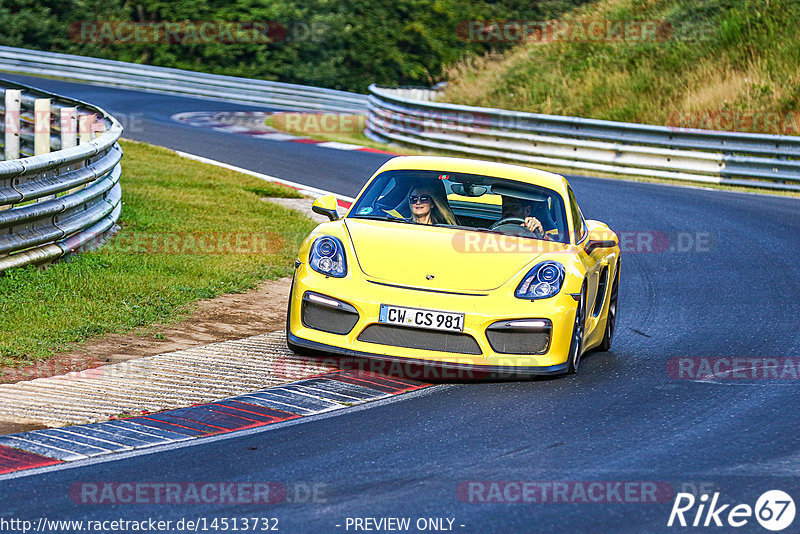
x=41 y=132
x=41 y=126
x=11 y=128
x=69 y=127
x=13 y=98
x=98 y=129
x=86 y=123
x=69 y=134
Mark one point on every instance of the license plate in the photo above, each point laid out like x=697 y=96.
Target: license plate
x=417 y=318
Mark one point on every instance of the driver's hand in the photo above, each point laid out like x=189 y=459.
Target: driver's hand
x=533 y=224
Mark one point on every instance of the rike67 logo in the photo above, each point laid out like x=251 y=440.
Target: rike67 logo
x=774 y=510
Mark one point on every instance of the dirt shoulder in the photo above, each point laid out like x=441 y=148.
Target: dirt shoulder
x=223 y=318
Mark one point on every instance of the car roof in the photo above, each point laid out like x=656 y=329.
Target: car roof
x=517 y=173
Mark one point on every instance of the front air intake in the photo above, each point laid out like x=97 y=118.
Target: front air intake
x=418 y=338
x=327 y=314
x=520 y=336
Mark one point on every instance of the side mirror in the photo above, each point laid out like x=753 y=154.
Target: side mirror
x=593 y=244
x=326 y=206
x=600 y=236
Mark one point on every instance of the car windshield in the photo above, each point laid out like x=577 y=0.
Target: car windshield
x=466 y=201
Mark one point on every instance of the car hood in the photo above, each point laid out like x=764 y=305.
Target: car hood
x=439 y=258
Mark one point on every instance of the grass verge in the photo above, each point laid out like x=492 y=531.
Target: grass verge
x=714 y=64
x=189 y=231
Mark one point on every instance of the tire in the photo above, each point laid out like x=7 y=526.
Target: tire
x=611 y=316
x=576 y=345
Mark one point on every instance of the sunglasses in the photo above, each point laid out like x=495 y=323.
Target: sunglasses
x=423 y=199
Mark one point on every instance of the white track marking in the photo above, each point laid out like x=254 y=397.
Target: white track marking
x=313 y=191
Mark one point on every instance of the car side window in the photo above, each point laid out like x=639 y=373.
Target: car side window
x=578 y=222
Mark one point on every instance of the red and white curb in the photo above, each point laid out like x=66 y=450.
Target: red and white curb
x=214 y=120
x=324 y=393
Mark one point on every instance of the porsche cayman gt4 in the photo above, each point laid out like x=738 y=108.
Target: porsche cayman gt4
x=459 y=263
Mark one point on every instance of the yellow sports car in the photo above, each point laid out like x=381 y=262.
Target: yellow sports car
x=464 y=264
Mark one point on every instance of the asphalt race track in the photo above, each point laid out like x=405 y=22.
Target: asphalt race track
x=716 y=277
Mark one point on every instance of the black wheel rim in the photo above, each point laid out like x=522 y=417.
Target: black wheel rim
x=612 y=307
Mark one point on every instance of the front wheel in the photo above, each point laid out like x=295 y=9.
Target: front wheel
x=576 y=346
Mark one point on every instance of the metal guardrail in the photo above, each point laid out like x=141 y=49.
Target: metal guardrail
x=59 y=183
x=412 y=116
x=181 y=82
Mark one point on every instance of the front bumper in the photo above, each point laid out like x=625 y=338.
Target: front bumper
x=481 y=309
x=413 y=368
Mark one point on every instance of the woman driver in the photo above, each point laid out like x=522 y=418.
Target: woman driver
x=429 y=208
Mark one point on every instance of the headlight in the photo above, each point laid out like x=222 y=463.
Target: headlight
x=327 y=257
x=541 y=282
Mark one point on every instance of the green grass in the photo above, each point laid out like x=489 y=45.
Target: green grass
x=722 y=58
x=270 y=189
x=116 y=289
x=719 y=56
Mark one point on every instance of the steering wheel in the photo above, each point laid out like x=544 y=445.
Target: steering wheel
x=518 y=221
